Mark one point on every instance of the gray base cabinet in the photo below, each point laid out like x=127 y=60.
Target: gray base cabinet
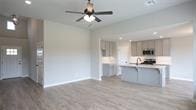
x=146 y=76
x=109 y=69
x=129 y=74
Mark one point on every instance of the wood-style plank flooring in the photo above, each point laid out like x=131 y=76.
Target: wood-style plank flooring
x=109 y=94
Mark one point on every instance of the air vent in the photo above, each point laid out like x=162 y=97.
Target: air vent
x=150 y=2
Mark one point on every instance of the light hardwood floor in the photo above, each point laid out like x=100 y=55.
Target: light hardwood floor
x=109 y=94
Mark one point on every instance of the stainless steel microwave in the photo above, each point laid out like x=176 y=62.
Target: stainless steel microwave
x=149 y=52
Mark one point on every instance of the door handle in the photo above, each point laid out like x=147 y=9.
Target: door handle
x=37 y=65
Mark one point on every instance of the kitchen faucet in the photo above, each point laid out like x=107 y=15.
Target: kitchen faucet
x=138 y=59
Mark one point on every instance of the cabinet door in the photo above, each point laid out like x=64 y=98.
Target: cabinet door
x=151 y=44
x=139 y=48
x=166 y=47
x=103 y=48
x=134 y=48
x=103 y=44
x=144 y=45
x=107 y=48
x=111 y=48
x=159 y=47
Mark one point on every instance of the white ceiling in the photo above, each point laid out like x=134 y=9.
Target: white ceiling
x=177 y=30
x=54 y=9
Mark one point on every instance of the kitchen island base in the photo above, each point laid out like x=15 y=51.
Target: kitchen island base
x=147 y=75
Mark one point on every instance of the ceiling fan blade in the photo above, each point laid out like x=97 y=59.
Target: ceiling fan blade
x=97 y=19
x=74 y=12
x=104 y=13
x=78 y=20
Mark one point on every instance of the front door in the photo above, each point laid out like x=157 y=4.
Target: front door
x=11 y=62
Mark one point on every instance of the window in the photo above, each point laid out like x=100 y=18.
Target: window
x=11 y=26
x=11 y=52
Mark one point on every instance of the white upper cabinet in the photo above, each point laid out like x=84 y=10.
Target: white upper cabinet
x=144 y=45
x=107 y=48
x=159 y=47
x=103 y=44
x=151 y=44
x=134 y=48
x=139 y=49
x=166 y=47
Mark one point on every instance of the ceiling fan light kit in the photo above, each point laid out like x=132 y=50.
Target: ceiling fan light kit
x=89 y=13
x=89 y=18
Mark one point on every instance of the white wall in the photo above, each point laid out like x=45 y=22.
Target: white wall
x=123 y=50
x=96 y=64
x=194 y=58
x=123 y=54
x=182 y=58
x=67 y=54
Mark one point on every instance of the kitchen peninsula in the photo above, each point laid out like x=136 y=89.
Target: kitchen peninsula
x=153 y=75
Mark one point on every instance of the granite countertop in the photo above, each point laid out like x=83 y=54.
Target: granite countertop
x=144 y=66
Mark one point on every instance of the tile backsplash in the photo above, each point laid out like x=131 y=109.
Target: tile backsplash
x=108 y=60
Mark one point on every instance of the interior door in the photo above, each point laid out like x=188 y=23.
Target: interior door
x=11 y=62
x=39 y=63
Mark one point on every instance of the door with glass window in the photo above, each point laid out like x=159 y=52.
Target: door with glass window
x=11 y=62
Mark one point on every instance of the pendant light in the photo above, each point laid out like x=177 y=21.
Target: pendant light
x=14 y=19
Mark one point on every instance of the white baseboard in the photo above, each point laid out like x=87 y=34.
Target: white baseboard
x=97 y=79
x=183 y=79
x=66 y=82
x=25 y=76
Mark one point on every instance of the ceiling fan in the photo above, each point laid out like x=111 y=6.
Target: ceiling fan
x=89 y=13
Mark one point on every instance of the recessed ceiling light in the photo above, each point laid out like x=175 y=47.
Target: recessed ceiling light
x=150 y=2
x=28 y=2
x=120 y=38
x=160 y=36
x=130 y=40
x=155 y=33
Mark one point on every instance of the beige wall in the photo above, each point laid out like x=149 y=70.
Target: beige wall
x=16 y=38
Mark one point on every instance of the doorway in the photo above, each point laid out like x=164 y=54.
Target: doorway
x=11 y=62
